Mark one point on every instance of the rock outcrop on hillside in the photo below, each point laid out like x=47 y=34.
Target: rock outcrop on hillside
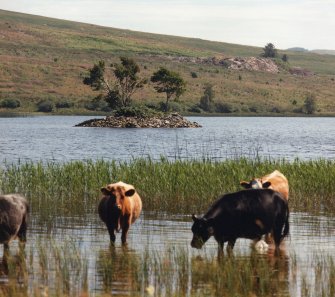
x=235 y=63
x=254 y=64
x=173 y=120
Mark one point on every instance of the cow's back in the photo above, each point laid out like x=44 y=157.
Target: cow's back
x=239 y=211
x=279 y=183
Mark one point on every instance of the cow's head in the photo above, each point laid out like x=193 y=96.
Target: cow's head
x=117 y=193
x=202 y=230
x=255 y=183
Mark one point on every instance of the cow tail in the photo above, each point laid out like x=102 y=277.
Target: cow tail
x=286 y=230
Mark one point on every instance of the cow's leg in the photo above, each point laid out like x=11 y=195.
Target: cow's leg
x=22 y=233
x=6 y=248
x=220 y=248
x=111 y=228
x=277 y=237
x=125 y=228
x=231 y=244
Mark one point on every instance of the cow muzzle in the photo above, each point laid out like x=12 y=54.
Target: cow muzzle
x=197 y=242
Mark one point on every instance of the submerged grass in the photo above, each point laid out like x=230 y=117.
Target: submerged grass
x=175 y=187
x=174 y=271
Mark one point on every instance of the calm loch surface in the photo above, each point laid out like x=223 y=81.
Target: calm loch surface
x=71 y=255
x=55 y=138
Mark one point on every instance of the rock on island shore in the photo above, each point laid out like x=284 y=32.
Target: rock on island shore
x=173 y=120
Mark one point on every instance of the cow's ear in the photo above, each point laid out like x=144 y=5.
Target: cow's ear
x=104 y=191
x=266 y=184
x=245 y=184
x=194 y=218
x=130 y=192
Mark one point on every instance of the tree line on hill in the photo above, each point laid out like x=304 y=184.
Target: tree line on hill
x=118 y=82
x=118 y=92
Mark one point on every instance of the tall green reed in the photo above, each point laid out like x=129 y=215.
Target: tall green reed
x=175 y=187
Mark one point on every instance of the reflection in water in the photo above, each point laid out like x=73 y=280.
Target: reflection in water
x=116 y=270
x=252 y=275
x=76 y=258
x=13 y=273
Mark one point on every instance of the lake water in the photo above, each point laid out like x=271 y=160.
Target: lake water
x=54 y=138
x=311 y=238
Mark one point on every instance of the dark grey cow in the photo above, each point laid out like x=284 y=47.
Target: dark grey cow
x=244 y=214
x=13 y=218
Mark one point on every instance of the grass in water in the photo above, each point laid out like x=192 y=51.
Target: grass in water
x=175 y=187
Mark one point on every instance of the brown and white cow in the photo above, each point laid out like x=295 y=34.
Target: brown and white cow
x=275 y=181
x=119 y=208
x=14 y=211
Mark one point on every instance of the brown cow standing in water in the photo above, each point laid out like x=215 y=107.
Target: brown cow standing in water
x=119 y=208
x=275 y=181
x=13 y=218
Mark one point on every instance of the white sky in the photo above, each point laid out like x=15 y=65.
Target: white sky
x=285 y=23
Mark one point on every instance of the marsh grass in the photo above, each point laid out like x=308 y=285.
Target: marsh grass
x=171 y=186
x=58 y=268
x=62 y=269
x=176 y=272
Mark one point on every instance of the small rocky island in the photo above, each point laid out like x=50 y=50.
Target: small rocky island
x=172 y=120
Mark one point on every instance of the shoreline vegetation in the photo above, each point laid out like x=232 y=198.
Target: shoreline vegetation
x=60 y=188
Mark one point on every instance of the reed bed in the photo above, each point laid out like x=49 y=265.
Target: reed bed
x=174 y=187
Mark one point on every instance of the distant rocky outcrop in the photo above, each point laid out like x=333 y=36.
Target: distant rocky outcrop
x=235 y=63
x=254 y=64
x=173 y=120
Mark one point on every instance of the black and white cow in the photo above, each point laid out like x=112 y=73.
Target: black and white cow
x=244 y=214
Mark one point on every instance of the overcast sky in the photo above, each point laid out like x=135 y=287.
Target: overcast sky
x=285 y=23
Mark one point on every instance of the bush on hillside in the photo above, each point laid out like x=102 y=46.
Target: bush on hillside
x=10 y=103
x=195 y=108
x=223 y=107
x=64 y=104
x=45 y=106
x=98 y=105
x=194 y=74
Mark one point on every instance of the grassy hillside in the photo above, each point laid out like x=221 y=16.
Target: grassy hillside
x=43 y=58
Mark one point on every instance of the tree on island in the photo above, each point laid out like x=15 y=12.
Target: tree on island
x=119 y=91
x=168 y=82
x=269 y=51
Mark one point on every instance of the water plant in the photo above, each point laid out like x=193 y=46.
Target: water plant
x=175 y=187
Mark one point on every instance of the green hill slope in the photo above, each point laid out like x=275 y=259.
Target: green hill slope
x=44 y=58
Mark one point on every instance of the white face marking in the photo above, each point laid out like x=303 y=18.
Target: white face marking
x=256 y=184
